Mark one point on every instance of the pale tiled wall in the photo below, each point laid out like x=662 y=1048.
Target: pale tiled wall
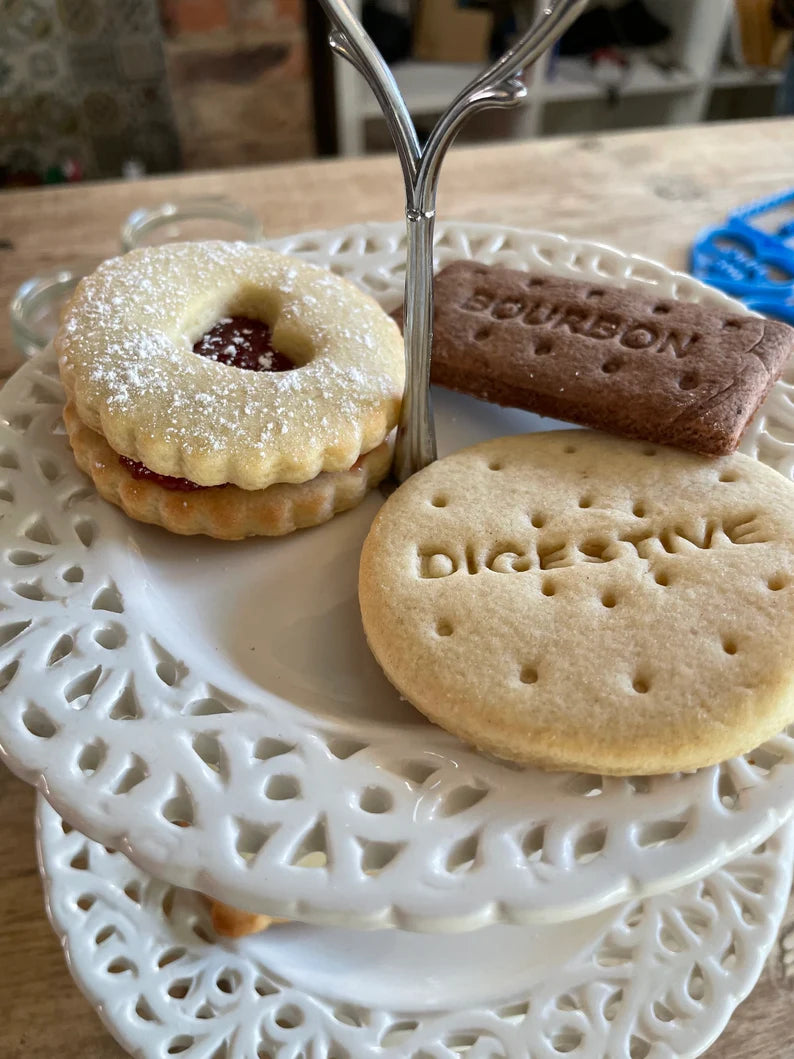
x=83 y=80
x=239 y=80
x=195 y=82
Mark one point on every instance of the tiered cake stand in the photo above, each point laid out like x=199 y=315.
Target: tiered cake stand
x=211 y=711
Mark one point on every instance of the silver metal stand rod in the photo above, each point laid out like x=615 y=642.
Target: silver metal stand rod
x=497 y=86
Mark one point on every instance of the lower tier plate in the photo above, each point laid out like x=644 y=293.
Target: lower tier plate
x=657 y=978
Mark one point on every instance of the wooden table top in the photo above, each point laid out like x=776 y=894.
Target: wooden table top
x=648 y=192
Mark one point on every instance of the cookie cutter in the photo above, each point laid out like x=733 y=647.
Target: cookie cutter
x=784 y=232
x=499 y=85
x=741 y=262
x=749 y=262
x=776 y=308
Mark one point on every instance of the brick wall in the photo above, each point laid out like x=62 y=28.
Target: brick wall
x=239 y=80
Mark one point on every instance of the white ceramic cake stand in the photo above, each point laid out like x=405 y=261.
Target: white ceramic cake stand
x=211 y=709
x=657 y=978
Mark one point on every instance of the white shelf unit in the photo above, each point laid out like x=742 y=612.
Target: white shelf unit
x=570 y=79
x=564 y=97
x=427 y=87
x=744 y=77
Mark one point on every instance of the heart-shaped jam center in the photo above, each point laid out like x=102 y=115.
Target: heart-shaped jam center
x=239 y=341
x=242 y=342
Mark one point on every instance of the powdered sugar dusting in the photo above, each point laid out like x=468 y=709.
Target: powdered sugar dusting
x=126 y=346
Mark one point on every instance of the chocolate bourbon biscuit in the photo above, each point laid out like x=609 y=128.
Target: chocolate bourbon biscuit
x=647 y=367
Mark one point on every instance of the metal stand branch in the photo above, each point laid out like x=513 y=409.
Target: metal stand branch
x=497 y=86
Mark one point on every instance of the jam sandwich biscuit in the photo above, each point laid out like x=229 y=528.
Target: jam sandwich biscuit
x=199 y=376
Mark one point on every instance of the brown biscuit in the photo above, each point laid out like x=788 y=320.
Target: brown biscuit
x=224 y=512
x=673 y=372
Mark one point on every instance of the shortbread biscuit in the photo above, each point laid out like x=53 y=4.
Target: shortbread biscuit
x=579 y=601
x=226 y=512
x=625 y=361
x=232 y=923
x=126 y=356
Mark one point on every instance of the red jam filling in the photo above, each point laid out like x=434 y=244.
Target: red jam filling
x=241 y=342
x=141 y=473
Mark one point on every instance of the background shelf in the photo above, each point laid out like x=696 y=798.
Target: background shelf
x=572 y=78
x=704 y=82
x=740 y=76
x=427 y=87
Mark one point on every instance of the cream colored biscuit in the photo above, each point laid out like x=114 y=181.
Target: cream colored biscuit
x=232 y=923
x=578 y=601
x=225 y=512
x=125 y=356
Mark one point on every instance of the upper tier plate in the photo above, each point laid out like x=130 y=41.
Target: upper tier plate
x=212 y=710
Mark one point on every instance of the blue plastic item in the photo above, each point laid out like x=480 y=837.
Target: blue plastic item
x=744 y=262
x=773 y=307
x=742 y=217
x=752 y=264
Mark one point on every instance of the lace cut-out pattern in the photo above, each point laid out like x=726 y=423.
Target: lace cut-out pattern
x=662 y=974
x=358 y=819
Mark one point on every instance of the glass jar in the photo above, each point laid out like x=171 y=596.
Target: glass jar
x=36 y=306
x=184 y=220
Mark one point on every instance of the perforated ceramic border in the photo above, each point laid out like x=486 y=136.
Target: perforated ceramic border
x=659 y=978
x=144 y=750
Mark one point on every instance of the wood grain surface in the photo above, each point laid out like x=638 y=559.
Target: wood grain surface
x=648 y=192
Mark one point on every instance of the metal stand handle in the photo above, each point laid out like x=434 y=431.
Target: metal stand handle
x=497 y=86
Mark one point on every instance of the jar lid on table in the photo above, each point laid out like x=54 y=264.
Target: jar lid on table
x=36 y=306
x=213 y=217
